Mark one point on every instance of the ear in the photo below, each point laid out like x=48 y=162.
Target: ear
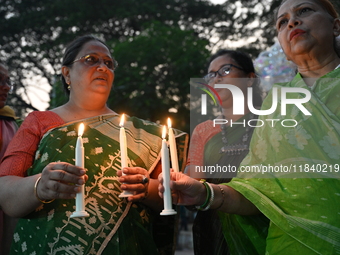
x=336 y=27
x=252 y=77
x=65 y=71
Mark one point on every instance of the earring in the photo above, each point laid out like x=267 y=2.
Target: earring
x=69 y=86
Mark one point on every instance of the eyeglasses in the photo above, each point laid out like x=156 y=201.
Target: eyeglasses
x=92 y=60
x=223 y=71
x=6 y=81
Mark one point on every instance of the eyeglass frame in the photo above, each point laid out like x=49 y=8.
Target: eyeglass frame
x=115 y=63
x=205 y=77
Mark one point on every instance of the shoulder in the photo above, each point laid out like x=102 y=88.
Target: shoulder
x=43 y=120
x=207 y=127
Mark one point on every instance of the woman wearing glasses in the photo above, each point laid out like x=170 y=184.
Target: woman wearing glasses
x=40 y=180
x=302 y=205
x=223 y=145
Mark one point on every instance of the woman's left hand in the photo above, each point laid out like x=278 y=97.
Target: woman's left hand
x=136 y=180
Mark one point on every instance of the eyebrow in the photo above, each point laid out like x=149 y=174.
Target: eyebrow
x=294 y=8
x=95 y=53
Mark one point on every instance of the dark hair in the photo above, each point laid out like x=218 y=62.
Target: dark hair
x=72 y=50
x=243 y=60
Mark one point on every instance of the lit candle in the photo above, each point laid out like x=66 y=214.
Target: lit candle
x=173 y=149
x=166 y=177
x=123 y=152
x=80 y=197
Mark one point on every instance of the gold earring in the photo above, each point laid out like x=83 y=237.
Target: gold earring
x=68 y=83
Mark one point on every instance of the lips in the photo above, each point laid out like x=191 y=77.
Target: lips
x=295 y=33
x=101 y=78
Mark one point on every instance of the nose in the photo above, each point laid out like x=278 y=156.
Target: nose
x=5 y=86
x=293 y=22
x=101 y=66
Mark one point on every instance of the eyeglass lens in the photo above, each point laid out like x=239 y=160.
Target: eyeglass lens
x=92 y=60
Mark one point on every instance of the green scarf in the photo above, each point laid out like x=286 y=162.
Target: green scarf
x=303 y=208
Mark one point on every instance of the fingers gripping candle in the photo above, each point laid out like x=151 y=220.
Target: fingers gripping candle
x=80 y=197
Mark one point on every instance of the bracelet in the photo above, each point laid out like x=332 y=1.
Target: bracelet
x=36 y=193
x=199 y=207
x=210 y=197
x=222 y=192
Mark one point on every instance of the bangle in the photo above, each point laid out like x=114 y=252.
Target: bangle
x=199 y=207
x=222 y=192
x=210 y=197
x=36 y=193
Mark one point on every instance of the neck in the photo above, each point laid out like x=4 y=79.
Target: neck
x=228 y=114
x=316 y=67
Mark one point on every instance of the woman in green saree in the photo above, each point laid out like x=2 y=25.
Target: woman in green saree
x=221 y=145
x=39 y=180
x=301 y=198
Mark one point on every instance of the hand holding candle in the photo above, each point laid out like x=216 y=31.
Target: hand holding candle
x=80 y=197
x=123 y=152
x=166 y=177
x=173 y=149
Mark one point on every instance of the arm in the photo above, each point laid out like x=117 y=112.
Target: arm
x=21 y=195
x=188 y=191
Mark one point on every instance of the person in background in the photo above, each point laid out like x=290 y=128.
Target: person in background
x=8 y=127
x=223 y=144
x=39 y=179
x=302 y=206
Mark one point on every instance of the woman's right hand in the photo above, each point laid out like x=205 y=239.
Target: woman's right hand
x=60 y=180
x=184 y=189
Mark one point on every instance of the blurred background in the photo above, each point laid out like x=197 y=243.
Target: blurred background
x=159 y=45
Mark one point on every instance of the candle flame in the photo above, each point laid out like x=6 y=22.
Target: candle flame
x=164 y=132
x=169 y=123
x=122 y=119
x=81 y=129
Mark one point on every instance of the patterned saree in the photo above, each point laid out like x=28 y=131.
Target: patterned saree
x=114 y=225
x=303 y=205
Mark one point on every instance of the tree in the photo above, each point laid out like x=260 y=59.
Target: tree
x=160 y=45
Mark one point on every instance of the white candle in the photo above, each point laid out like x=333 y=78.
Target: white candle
x=173 y=148
x=80 y=197
x=123 y=152
x=166 y=177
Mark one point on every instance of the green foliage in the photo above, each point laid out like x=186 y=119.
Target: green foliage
x=159 y=45
x=154 y=72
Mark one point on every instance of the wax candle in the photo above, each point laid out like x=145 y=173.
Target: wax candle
x=173 y=149
x=166 y=177
x=123 y=152
x=80 y=196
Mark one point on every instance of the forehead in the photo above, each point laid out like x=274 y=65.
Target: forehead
x=290 y=4
x=94 y=47
x=220 y=61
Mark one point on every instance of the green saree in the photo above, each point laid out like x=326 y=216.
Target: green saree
x=303 y=208
x=114 y=225
x=207 y=227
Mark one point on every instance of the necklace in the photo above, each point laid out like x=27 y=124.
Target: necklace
x=236 y=148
